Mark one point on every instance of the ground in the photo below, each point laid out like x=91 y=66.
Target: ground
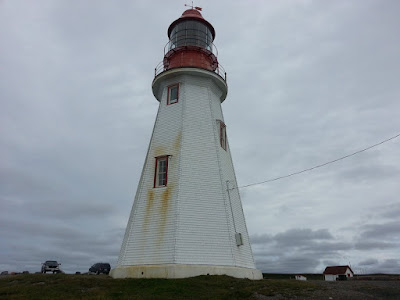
x=63 y=286
x=354 y=290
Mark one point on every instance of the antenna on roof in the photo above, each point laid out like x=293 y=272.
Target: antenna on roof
x=194 y=7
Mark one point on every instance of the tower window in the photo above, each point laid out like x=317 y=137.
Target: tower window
x=239 y=239
x=161 y=172
x=222 y=135
x=173 y=94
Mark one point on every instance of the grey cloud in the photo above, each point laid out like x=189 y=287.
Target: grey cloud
x=368 y=262
x=371 y=245
x=65 y=208
x=296 y=249
x=285 y=264
x=371 y=173
x=391 y=211
x=294 y=237
x=330 y=262
x=300 y=244
x=15 y=181
x=76 y=248
x=386 y=230
x=329 y=247
x=18 y=229
x=385 y=266
x=390 y=266
x=261 y=239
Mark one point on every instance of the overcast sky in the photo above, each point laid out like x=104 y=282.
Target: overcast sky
x=309 y=82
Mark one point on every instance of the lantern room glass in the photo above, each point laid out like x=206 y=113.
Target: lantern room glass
x=190 y=33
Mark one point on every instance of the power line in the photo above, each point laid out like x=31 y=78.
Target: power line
x=319 y=166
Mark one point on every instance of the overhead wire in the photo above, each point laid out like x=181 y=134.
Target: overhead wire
x=318 y=166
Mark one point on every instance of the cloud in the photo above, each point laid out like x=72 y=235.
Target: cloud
x=378 y=236
x=328 y=248
x=308 y=83
x=261 y=239
x=389 y=211
x=368 y=262
x=371 y=245
x=307 y=250
x=379 y=231
x=295 y=264
x=296 y=250
x=374 y=266
x=389 y=266
x=370 y=173
x=75 y=247
x=294 y=237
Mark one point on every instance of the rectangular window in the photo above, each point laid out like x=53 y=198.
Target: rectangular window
x=239 y=239
x=161 y=173
x=222 y=135
x=173 y=94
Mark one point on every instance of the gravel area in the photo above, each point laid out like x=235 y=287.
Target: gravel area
x=343 y=290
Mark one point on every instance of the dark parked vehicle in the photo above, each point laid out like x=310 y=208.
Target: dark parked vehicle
x=100 y=268
x=51 y=265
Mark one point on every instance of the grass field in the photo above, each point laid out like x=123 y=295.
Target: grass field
x=62 y=286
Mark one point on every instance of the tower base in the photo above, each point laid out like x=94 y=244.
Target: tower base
x=183 y=271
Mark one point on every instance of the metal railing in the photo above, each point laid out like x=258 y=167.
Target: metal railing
x=160 y=68
x=192 y=41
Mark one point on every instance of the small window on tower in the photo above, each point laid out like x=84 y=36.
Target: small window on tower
x=222 y=135
x=161 y=173
x=173 y=94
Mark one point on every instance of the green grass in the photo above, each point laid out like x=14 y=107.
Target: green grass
x=61 y=286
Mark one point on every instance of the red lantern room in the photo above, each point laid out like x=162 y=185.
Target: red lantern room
x=190 y=44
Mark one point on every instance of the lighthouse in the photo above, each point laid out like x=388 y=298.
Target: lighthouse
x=187 y=218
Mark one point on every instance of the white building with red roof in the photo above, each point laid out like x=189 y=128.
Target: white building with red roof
x=334 y=273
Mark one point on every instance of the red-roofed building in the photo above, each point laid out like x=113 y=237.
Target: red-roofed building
x=334 y=273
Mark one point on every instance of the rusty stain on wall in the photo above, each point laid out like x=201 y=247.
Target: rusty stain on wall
x=166 y=196
x=159 y=199
x=164 y=208
x=159 y=151
x=177 y=144
x=157 y=209
x=149 y=206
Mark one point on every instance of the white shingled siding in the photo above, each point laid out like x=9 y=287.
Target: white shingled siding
x=242 y=253
x=189 y=221
x=203 y=234
x=150 y=235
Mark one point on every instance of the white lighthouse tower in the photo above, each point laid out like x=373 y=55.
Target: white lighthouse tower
x=187 y=219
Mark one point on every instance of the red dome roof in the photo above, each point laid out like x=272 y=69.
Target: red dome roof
x=192 y=14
